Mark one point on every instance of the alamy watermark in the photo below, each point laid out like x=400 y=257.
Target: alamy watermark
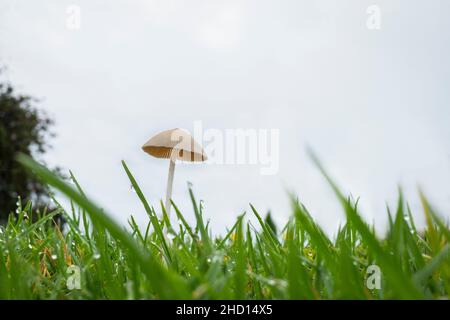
x=73 y=281
x=73 y=18
x=373 y=280
x=238 y=146
x=373 y=21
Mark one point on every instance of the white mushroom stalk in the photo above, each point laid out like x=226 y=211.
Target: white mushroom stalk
x=169 y=185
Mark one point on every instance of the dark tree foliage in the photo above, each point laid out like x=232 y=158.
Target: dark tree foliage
x=23 y=129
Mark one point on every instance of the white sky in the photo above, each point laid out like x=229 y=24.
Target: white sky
x=374 y=104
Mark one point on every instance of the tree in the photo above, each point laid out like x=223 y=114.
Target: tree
x=23 y=129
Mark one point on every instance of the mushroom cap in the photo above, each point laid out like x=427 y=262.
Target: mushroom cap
x=176 y=144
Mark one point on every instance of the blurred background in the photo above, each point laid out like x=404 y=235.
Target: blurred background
x=364 y=83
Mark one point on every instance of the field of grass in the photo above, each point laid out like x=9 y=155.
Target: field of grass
x=38 y=260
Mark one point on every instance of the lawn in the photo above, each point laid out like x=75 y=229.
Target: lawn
x=93 y=257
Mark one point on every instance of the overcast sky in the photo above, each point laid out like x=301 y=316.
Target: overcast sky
x=373 y=103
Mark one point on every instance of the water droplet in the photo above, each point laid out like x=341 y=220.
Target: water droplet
x=271 y=282
x=96 y=256
x=208 y=260
x=54 y=256
x=30 y=246
x=171 y=236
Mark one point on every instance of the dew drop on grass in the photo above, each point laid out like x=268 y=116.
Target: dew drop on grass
x=96 y=256
x=171 y=236
x=271 y=282
x=54 y=256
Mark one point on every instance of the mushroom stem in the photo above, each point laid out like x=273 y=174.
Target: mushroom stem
x=169 y=185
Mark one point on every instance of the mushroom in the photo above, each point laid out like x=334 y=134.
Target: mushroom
x=174 y=144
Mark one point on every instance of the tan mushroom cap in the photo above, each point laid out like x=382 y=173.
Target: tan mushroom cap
x=176 y=144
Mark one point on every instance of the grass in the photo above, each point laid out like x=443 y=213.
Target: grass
x=182 y=261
